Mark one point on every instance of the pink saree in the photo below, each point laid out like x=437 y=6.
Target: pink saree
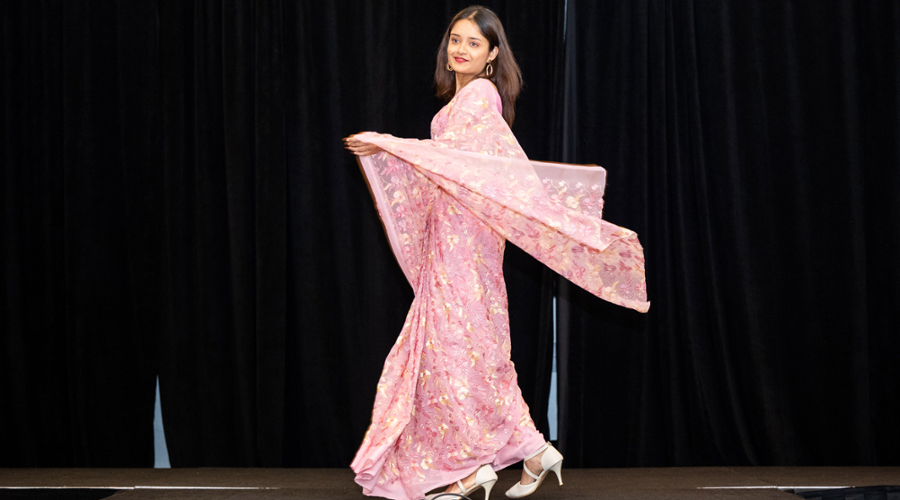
x=448 y=399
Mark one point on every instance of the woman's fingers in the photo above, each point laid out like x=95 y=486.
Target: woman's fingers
x=357 y=146
x=360 y=148
x=352 y=138
x=355 y=143
x=368 y=149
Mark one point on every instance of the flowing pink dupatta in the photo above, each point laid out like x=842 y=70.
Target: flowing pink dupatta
x=552 y=211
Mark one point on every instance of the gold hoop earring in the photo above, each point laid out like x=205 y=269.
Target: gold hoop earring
x=449 y=68
x=489 y=70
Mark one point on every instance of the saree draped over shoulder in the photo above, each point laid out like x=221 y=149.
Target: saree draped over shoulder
x=448 y=398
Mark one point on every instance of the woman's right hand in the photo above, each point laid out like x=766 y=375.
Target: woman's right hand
x=360 y=148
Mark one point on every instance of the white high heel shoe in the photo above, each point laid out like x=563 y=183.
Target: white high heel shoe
x=484 y=478
x=551 y=460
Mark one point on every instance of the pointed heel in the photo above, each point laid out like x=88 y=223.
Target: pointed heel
x=557 y=468
x=487 y=488
x=551 y=460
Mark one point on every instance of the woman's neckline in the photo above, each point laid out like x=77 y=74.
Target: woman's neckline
x=473 y=80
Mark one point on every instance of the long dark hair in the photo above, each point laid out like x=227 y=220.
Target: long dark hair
x=506 y=76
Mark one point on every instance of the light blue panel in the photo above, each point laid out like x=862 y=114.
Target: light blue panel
x=551 y=407
x=159 y=435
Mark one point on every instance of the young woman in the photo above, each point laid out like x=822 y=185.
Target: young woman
x=448 y=409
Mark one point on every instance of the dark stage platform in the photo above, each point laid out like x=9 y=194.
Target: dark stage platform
x=702 y=483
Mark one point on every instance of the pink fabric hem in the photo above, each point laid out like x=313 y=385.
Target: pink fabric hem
x=505 y=457
x=523 y=441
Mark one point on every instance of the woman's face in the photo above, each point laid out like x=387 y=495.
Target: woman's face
x=467 y=50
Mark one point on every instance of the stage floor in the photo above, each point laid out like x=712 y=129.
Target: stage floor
x=705 y=483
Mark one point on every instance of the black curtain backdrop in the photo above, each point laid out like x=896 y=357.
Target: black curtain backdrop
x=81 y=217
x=176 y=202
x=755 y=147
